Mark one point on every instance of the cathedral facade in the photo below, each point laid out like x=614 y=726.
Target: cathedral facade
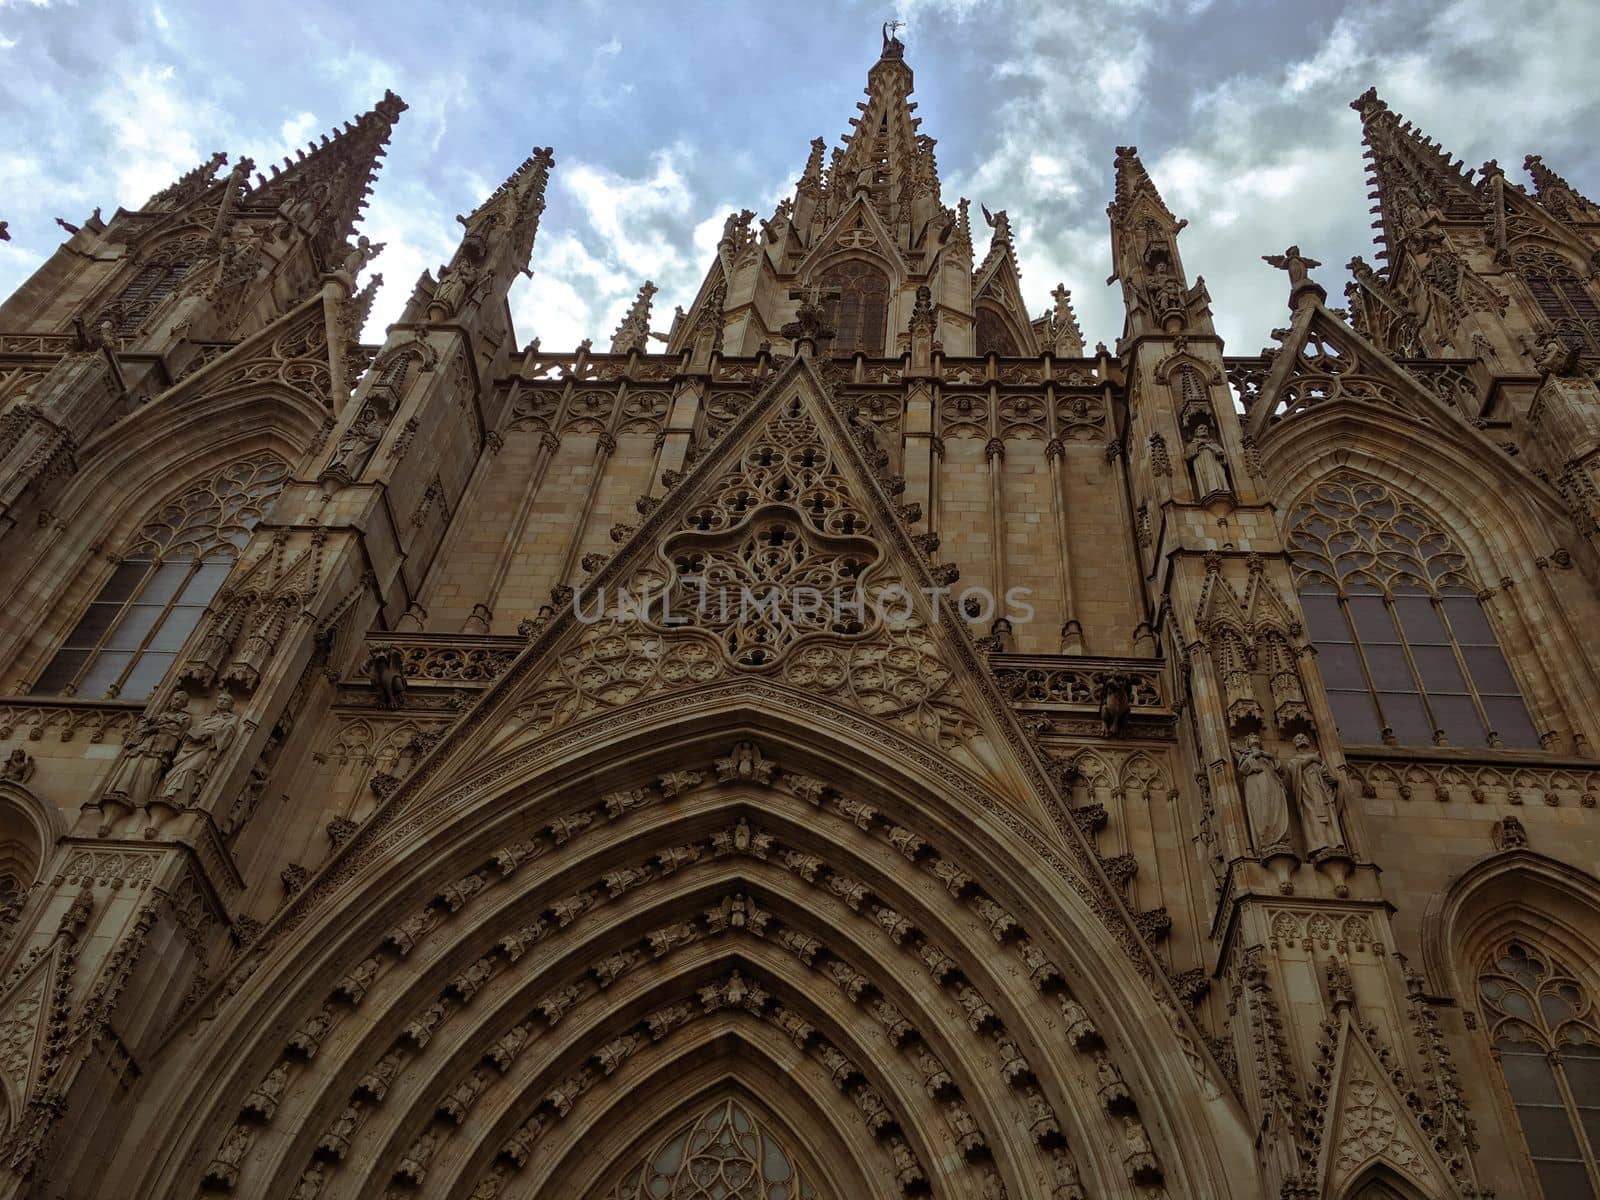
x=857 y=742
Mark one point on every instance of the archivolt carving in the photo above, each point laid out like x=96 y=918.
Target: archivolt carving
x=738 y=913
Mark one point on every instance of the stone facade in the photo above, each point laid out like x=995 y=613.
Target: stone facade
x=387 y=810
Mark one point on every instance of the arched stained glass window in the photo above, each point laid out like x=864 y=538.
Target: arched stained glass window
x=1563 y=298
x=861 y=311
x=724 y=1154
x=1406 y=650
x=993 y=334
x=1541 y=1023
x=133 y=630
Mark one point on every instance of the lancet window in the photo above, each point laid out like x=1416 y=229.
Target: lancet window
x=993 y=334
x=1563 y=298
x=1541 y=1022
x=726 y=1153
x=154 y=281
x=860 y=313
x=137 y=623
x=1406 y=649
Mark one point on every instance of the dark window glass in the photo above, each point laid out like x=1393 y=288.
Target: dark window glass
x=1537 y=1015
x=860 y=312
x=129 y=635
x=1405 y=608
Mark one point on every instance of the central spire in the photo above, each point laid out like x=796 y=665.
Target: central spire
x=883 y=157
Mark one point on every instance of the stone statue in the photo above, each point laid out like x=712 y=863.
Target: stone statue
x=1554 y=357
x=385 y=666
x=1296 y=264
x=454 y=289
x=1206 y=459
x=356 y=446
x=148 y=751
x=363 y=252
x=198 y=752
x=1114 y=705
x=1315 y=788
x=18 y=767
x=1265 y=799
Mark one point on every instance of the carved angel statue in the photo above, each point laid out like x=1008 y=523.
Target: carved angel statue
x=1265 y=799
x=1292 y=261
x=1553 y=356
x=1206 y=458
x=362 y=253
x=147 y=752
x=201 y=747
x=1315 y=788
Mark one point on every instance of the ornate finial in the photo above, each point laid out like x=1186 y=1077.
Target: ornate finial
x=1368 y=104
x=634 y=331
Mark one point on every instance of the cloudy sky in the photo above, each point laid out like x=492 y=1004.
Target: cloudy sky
x=666 y=116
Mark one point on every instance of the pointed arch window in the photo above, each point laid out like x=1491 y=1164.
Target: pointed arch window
x=861 y=312
x=1407 y=652
x=1563 y=298
x=726 y=1153
x=1541 y=1022
x=155 y=280
x=993 y=334
x=131 y=634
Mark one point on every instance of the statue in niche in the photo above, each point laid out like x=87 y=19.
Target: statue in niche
x=1265 y=797
x=198 y=752
x=357 y=445
x=1207 y=462
x=1315 y=788
x=148 y=752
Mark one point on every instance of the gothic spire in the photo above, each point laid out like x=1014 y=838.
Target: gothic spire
x=1411 y=176
x=508 y=220
x=189 y=185
x=883 y=158
x=1559 y=197
x=326 y=185
x=1064 y=325
x=634 y=331
x=497 y=243
x=1132 y=183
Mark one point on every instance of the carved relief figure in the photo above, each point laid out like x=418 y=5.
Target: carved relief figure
x=201 y=747
x=148 y=751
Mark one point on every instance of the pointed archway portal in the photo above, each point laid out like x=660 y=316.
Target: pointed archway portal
x=806 y=860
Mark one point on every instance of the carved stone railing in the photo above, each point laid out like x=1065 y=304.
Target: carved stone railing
x=441 y=669
x=30 y=718
x=1444 y=775
x=1063 y=693
x=37 y=343
x=1040 y=680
